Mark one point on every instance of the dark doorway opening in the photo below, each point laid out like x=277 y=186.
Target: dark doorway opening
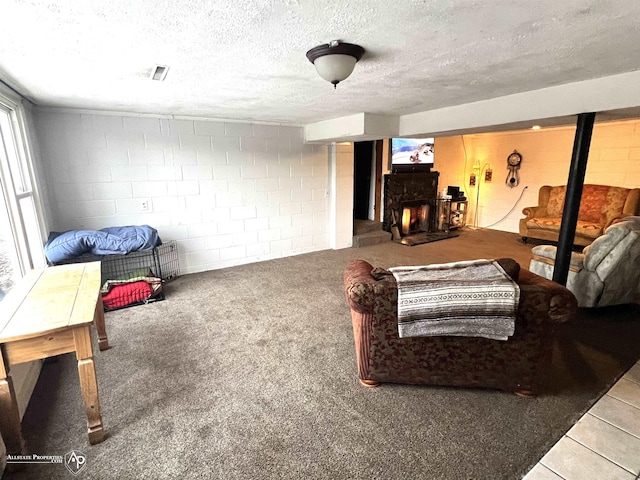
x=367 y=180
x=362 y=174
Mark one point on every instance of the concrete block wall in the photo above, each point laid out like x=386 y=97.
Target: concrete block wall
x=228 y=193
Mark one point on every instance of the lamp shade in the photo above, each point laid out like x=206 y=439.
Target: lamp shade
x=335 y=61
x=335 y=68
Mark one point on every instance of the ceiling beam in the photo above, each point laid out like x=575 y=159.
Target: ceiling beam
x=352 y=128
x=616 y=96
x=551 y=106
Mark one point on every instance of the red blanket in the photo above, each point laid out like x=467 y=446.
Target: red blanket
x=126 y=294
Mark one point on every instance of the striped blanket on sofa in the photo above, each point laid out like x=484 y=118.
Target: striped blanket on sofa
x=474 y=298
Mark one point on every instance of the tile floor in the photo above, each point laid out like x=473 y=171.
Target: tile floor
x=604 y=443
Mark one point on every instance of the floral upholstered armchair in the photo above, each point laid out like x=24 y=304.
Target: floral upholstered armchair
x=515 y=365
x=607 y=272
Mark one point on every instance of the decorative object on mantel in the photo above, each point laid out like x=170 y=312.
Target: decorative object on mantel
x=335 y=61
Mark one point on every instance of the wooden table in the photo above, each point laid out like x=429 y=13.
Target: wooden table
x=50 y=312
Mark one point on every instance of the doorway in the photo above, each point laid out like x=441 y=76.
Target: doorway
x=367 y=180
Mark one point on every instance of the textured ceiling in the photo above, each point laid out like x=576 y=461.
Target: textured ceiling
x=245 y=59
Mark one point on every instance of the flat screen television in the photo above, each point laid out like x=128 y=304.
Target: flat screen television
x=411 y=154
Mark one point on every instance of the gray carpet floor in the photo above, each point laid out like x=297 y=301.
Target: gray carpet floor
x=250 y=373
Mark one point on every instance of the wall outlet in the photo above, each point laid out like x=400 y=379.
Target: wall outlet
x=488 y=175
x=144 y=205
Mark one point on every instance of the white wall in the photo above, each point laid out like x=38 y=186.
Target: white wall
x=43 y=198
x=341 y=202
x=614 y=159
x=229 y=193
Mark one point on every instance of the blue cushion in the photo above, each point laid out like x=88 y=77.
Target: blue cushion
x=127 y=239
x=108 y=241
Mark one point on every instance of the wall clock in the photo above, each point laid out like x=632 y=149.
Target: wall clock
x=513 y=165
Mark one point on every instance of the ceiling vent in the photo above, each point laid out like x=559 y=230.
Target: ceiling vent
x=159 y=73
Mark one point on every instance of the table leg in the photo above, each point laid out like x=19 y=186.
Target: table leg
x=88 y=383
x=98 y=320
x=10 y=427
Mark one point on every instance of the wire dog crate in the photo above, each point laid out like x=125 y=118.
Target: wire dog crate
x=162 y=261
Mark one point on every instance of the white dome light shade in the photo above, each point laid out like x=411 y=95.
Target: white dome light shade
x=335 y=68
x=335 y=61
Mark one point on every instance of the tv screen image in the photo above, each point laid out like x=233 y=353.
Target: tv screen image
x=411 y=151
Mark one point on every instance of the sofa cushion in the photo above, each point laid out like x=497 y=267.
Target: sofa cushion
x=585 y=229
x=547 y=223
x=600 y=203
x=547 y=254
x=589 y=229
x=594 y=201
x=556 y=201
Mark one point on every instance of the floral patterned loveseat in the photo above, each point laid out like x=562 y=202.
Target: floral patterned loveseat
x=516 y=365
x=600 y=206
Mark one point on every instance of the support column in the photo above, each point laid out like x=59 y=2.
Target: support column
x=575 y=182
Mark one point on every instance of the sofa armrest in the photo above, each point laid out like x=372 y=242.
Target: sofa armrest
x=533 y=212
x=361 y=288
x=540 y=210
x=632 y=204
x=548 y=298
x=612 y=220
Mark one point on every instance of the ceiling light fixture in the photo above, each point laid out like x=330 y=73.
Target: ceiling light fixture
x=335 y=61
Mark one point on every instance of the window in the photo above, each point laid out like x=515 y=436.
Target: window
x=9 y=265
x=20 y=218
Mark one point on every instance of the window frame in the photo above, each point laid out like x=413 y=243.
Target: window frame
x=29 y=250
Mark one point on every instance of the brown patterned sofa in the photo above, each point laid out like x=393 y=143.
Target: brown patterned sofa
x=600 y=206
x=515 y=365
